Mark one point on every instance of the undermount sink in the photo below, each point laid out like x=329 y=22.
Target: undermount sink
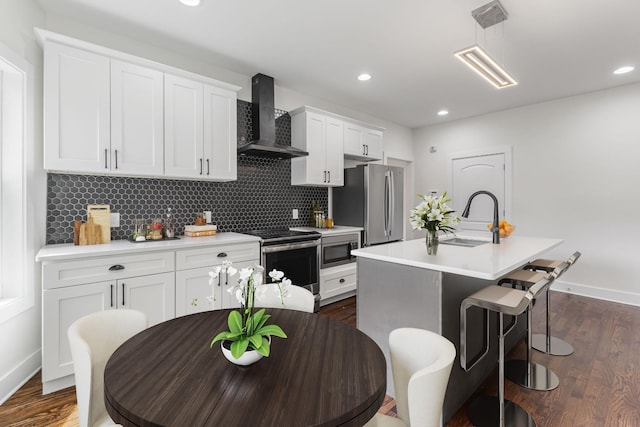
x=460 y=241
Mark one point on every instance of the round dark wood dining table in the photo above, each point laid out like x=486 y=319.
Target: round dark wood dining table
x=325 y=373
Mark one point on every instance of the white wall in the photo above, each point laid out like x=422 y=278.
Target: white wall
x=575 y=177
x=20 y=335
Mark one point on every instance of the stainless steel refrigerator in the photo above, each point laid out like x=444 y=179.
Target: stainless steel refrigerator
x=371 y=198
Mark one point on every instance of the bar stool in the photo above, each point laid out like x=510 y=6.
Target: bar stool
x=526 y=373
x=546 y=343
x=489 y=410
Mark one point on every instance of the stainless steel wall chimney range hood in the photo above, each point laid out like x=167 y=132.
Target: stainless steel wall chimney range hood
x=264 y=124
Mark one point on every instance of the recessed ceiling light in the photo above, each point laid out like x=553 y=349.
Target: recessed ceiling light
x=190 y=2
x=364 y=77
x=443 y=112
x=624 y=70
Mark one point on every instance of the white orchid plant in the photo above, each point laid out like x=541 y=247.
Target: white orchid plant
x=248 y=330
x=434 y=214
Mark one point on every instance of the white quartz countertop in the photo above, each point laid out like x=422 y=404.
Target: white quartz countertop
x=118 y=247
x=337 y=229
x=487 y=261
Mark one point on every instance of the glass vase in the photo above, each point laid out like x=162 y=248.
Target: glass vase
x=432 y=242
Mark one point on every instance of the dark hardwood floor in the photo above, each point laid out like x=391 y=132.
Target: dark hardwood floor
x=599 y=383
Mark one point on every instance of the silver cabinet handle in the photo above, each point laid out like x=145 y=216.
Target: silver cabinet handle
x=329 y=175
x=111 y=295
x=116 y=159
x=207 y=166
x=363 y=150
x=325 y=177
x=201 y=166
x=123 y=294
x=106 y=165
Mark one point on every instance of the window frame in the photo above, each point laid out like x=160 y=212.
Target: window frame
x=16 y=86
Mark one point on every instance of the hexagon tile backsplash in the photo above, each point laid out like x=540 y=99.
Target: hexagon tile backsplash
x=262 y=197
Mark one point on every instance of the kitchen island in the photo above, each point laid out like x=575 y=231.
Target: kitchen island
x=399 y=285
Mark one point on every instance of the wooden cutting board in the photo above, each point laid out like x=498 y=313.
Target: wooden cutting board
x=90 y=233
x=101 y=215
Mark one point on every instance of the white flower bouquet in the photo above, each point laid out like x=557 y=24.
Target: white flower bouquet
x=434 y=214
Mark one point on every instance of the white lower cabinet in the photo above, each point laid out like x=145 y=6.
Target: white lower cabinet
x=160 y=283
x=153 y=295
x=335 y=282
x=73 y=288
x=192 y=276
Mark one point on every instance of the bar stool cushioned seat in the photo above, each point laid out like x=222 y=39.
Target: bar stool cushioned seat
x=421 y=362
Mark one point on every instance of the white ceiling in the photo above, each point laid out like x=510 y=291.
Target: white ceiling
x=554 y=48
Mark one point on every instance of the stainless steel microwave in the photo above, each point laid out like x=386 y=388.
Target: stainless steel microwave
x=336 y=250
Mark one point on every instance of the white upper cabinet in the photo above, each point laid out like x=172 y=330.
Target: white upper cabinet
x=112 y=113
x=137 y=135
x=362 y=142
x=220 y=134
x=76 y=110
x=321 y=135
x=183 y=128
x=200 y=130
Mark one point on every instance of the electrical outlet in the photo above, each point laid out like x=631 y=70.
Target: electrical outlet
x=295 y=214
x=115 y=219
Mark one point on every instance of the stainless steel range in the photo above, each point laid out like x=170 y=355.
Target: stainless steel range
x=296 y=253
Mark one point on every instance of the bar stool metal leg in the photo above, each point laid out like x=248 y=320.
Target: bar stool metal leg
x=549 y=344
x=527 y=373
x=490 y=411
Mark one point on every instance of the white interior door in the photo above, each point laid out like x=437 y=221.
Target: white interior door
x=479 y=172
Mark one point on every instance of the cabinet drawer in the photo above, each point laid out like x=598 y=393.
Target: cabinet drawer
x=89 y=270
x=337 y=281
x=214 y=255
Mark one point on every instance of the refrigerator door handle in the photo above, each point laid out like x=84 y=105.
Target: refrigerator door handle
x=386 y=203
x=392 y=202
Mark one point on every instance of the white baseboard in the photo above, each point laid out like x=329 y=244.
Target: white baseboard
x=18 y=376
x=598 y=293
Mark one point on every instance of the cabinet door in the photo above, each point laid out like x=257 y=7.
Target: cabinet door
x=220 y=130
x=308 y=132
x=183 y=127
x=76 y=110
x=137 y=120
x=373 y=144
x=334 y=154
x=353 y=140
x=61 y=307
x=193 y=290
x=154 y=295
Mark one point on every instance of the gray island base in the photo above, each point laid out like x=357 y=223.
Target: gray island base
x=399 y=285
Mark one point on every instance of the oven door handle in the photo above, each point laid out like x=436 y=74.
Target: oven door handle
x=289 y=246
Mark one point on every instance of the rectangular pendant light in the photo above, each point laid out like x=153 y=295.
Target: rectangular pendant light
x=483 y=64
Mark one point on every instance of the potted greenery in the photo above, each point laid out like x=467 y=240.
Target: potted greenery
x=249 y=337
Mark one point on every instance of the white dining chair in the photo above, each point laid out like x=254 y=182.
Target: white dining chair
x=297 y=298
x=421 y=363
x=93 y=338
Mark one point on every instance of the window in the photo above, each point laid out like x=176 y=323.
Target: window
x=16 y=271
